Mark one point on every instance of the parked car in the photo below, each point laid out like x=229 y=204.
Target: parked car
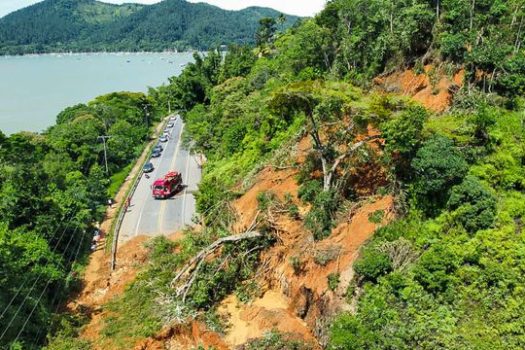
x=158 y=148
x=148 y=167
x=170 y=125
x=155 y=154
x=163 y=138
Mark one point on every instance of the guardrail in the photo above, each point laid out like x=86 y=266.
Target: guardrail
x=123 y=207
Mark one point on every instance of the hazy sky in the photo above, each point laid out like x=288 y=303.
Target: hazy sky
x=293 y=7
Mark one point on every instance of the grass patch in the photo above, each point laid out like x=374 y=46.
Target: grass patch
x=376 y=217
x=118 y=179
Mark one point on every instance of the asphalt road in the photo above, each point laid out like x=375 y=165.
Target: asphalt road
x=149 y=216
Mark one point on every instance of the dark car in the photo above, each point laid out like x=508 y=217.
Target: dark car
x=158 y=148
x=163 y=138
x=148 y=167
x=155 y=154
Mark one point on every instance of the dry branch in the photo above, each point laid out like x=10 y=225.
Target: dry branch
x=190 y=270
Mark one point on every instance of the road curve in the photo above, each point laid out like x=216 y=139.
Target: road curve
x=148 y=216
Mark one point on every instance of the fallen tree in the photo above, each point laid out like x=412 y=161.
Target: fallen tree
x=189 y=272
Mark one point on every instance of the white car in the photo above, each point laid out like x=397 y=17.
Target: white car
x=163 y=138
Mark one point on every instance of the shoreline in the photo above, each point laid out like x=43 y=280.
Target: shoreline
x=97 y=53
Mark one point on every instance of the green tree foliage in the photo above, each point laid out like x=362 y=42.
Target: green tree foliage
x=266 y=32
x=473 y=205
x=379 y=34
x=438 y=166
x=373 y=265
x=53 y=188
x=238 y=62
x=404 y=137
x=89 y=25
x=484 y=36
x=445 y=276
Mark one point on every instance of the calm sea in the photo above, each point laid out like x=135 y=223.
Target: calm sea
x=34 y=89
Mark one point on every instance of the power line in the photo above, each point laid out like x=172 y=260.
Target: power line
x=104 y=139
x=27 y=278
x=41 y=294
x=55 y=297
x=34 y=283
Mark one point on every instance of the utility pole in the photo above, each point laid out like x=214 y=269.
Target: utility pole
x=104 y=138
x=146 y=114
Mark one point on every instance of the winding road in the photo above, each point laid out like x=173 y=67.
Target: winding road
x=148 y=216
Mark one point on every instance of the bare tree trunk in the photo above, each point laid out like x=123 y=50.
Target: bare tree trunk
x=517 y=43
x=328 y=173
x=492 y=79
x=472 y=13
x=190 y=270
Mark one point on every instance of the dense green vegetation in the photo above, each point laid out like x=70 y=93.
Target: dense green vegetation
x=446 y=274
x=53 y=189
x=89 y=26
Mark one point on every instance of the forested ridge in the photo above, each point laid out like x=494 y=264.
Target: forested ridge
x=90 y=26
x=447 y=271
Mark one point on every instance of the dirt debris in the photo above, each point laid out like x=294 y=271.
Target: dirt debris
x=432 y=87
x=295 y=298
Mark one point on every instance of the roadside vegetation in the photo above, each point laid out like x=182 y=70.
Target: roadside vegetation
x=53 y=189
x=447 y=272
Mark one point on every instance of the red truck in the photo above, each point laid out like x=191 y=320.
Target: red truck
x=166 y=187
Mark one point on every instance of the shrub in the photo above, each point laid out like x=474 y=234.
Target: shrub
x=376 y=217
x=474 y=205
x=309 y=190
x=296 y=264
x=320 y=218
x=323 y=257
x=246 y=291
x=438 y=166
x=333 y=280
x=403 y=133
x=276 y=341
x=372 y=265
x=264 y=199
x=348 y=332
x=435 y=269
x=159 y=247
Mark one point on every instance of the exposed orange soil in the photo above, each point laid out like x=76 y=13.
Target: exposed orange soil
x=297 y=300
x=279 y=183
x=436 y=96
x=99 y=284
x=270 y=312
x=183 y=337
x=100 y=290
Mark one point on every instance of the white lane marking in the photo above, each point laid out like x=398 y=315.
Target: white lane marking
x=163 y=205
x=185 y=190
x=157 y=162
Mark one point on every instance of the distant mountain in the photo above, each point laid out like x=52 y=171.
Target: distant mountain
x=89 y=25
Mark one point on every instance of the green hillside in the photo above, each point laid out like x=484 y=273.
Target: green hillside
x=89 y=25
x=447 y=270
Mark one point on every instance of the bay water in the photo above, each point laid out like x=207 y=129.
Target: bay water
x=35 y=88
